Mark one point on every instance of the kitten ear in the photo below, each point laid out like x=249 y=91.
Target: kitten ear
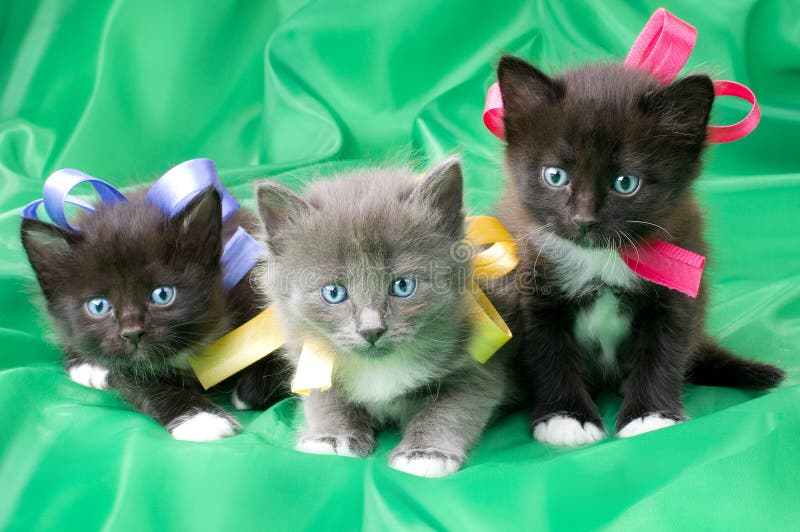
x=524 y=88
x=277 y=204
x=200 y=225
x=443 y=189
x=684 y=105
x=47 y=246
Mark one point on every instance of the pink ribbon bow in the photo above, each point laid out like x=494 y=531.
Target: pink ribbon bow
x=661 y=49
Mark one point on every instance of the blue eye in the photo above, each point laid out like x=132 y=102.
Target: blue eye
x=403 y=287
x=334 y=293
x=98 y=306
x=554 y=176
x=626 y=184
x=163 y=295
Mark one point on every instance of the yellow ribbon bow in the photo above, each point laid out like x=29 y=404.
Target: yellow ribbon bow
x=490 y=332
x=261 y=336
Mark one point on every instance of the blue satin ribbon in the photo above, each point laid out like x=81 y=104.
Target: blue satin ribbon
x=55 y=194
x=175 y=189
x=171 y=193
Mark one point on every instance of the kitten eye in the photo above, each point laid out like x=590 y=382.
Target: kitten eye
x=334 y=293
x=555 y=176
x=163 y=295
x=403 y=287
x=626 y=184
x=98 y=306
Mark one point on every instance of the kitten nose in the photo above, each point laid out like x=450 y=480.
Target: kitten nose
x=370 y=324
x=372 y=335
x=132 y=334
x=584 y=223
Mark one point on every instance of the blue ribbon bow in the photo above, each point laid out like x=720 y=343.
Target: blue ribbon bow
x=171 y=193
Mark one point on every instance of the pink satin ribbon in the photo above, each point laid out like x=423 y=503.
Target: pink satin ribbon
x=493 y=111
x=742 y=128
x=661 y=49
x=667 y=264
x=663 y=46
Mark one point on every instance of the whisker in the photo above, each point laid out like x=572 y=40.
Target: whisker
x=633 y=245
x=527 y=237
x=607 y=245
x=534 y=230
x=650 y=223
x=535 y=282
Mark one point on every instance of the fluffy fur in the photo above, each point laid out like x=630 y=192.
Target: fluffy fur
x=122 y=252
x=399 y=361
x=589 y=322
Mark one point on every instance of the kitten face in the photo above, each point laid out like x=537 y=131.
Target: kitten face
x=132 y=287
x=366 y=262
x=602 y=154
x=368 y=297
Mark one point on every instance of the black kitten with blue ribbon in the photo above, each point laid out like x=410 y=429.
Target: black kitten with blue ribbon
x=142 y=282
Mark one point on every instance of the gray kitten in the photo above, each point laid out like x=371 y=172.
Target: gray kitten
x=366 y=263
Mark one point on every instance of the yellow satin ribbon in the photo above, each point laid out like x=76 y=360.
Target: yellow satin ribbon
x=238 y=349
x=314 y=369
x=261 y=336
x=490 y=332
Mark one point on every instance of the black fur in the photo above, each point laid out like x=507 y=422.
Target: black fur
x=597 y=123
x=716 y=366
x=265 y=382
x=122 y=252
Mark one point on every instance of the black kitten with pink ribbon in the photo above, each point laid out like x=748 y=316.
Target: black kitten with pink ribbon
x=133 y=291
x=601 y=160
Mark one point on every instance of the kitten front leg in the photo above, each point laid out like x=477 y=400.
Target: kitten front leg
x=178 y=406
x=564 y=413
x=437 y=438
x=334 y=426
x=86 y=372
x=262 y=384
x=658 y=355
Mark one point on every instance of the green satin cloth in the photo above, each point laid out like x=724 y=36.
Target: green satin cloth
x=123 y=90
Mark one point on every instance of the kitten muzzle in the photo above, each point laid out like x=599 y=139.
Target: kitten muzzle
x=132 y=334
x=590 y=240
x=584 y=224
x=372 y=335
x=370 y=324
x=132 y=326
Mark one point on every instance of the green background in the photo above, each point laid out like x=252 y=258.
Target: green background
x=123 y=90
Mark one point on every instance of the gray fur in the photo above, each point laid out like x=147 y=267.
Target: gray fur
x=363 y=230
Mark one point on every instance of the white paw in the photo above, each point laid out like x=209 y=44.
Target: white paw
x=88 y=374
x=567 y=431
x=421 y=464
x=640 y=425
x=202 y=426
x=337 y=445
x=238 y=404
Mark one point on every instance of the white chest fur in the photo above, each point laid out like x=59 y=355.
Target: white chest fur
x=603 y=324
x=580 y=268
x=382 y=380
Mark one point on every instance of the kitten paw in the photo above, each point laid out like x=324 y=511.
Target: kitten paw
x=352 y=445
x=643 y=424
x=237 y=402
x=202 y=426
x=430 y=463
x=567 y=431
x=88 y=374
